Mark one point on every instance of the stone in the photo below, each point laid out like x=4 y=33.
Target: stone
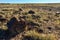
x=16 y=26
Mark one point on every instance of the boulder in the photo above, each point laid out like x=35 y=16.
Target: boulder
x=16 y=26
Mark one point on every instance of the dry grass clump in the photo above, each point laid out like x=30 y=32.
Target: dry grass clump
x=33 y=35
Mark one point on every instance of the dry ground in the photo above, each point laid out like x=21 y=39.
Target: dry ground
x=30 y=21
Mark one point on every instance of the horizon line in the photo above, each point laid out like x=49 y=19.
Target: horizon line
x=29 y=3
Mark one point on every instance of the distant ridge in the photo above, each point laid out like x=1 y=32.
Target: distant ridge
x=28 y=3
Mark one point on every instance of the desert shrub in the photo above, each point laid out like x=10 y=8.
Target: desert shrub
x=3 y=19
x=40 y=30
x=33 y=35
x=57 y=14
x=23 y=17
x=31 y=12
x=16 y=12
x=33 y=23
x=50 y=9
x=20 y=9
x=5 y=10
x=2 y=13
x=36 y=16
x=46 y=20
x=49 y=28
x=25 y=13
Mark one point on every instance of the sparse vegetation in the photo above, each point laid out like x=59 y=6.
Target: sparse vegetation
x=33 y=35
x=30 y=21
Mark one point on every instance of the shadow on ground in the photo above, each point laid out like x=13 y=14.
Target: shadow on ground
x=15 y=27
x=8 y=34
